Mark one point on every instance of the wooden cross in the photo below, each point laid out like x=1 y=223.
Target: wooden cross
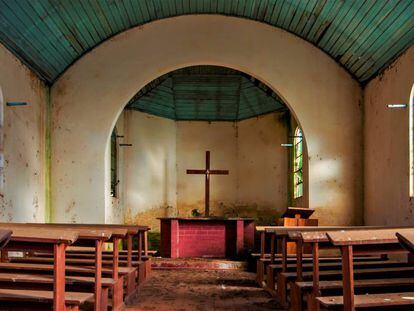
x=207 y=172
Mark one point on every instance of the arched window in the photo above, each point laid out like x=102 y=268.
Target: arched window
x=298 y=164
x=114 y=164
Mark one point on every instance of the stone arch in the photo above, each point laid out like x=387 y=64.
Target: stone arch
x=89 y=97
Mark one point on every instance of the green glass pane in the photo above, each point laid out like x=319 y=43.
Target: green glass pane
x=299 y=148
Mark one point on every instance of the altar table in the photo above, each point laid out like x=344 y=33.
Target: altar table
x=206 y=237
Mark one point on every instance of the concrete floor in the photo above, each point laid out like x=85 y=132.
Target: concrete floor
x=202 y=290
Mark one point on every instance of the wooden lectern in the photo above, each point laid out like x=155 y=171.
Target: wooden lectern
x=296 y=217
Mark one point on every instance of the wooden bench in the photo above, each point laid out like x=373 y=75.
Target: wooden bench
x=301 y=288
x=406 y=240
x=331 y=275
x=89 y=237
x=137 y=231
x=15 y=299
x=119 y=274
x=391 y=300
x=285 y=235
x=55 y=241
x=5 y=236
x=319 y=240
x=365 y=242
x=142 y=262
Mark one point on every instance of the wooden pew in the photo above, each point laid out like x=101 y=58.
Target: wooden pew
x=282 y=234
x=365 y=242
x=143 y=261
x=140 y=233
x=55 y=241
x=406 y=239
x=113 y=235
x=264 y=259
x=293 y=234
x=88 y=237
x=5 y=236
x=368 y=266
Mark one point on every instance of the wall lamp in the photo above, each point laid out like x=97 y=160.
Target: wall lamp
x=396 y=106
x=16 y=104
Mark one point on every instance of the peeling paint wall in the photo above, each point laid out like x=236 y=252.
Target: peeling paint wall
x=323 y=97
x=387 y=199
x=150 y=168
x=157 y=184
x=193 y=140
x=23 y=194
x=114 y=212
x=263 y=167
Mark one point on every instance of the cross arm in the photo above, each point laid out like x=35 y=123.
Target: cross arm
x=196 y=172
x=219 y=172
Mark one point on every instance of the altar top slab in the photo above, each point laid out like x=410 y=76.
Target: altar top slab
x=206 y=218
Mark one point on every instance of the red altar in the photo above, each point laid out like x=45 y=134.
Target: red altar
x=206 y=237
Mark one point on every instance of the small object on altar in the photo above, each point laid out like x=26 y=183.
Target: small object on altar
x=195 y=213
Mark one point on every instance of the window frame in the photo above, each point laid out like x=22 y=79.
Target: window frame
x=114 y=164
x=298 y=163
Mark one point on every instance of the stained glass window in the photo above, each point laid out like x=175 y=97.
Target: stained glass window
x=298 y=164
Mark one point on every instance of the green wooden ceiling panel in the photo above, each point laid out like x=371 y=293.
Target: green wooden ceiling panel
x=364 y=36
x=207 y=93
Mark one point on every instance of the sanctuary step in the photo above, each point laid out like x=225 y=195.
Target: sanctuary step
x=197 y=263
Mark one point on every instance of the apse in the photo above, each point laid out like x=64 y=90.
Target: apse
x=255 y=145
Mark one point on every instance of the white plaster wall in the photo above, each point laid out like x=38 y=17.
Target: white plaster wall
x=193 y=140
x=263 y=166
x=150 y=167
x=23 y=194
x=115 y=211
x=163 y=150
x=387 y=200
x=88 y=98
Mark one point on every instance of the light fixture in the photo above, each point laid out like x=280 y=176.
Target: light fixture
x=287 y=145
x=15 y=104
x=392 y=106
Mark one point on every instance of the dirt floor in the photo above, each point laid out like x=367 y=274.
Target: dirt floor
x=202 y=290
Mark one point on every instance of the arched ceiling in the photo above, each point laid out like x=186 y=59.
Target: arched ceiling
x=364 y=36
x=206 y=93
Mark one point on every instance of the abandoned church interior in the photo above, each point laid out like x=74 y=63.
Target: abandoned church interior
x=206 y=155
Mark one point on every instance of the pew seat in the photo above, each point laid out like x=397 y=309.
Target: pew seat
x=364 y=283
x=300 y=289
x=285 y=278
x=17 y=277
x=370 y=300
x=72 y=299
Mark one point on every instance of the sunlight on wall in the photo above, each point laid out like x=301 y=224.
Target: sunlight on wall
x=327 y=170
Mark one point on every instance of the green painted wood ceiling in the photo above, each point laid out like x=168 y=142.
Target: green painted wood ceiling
x=364 y=36
x=206 y=93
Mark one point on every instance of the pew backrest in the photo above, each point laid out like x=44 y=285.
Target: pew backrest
x=406 y=239
x=366 y=237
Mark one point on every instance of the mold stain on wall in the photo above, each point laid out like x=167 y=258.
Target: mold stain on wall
x=256 y=187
